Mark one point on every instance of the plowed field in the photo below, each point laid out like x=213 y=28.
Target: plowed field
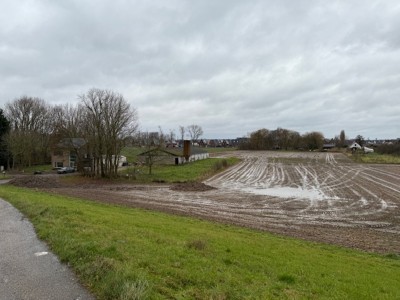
x=316 y=196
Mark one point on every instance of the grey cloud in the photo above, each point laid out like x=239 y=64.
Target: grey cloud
x=230 y=66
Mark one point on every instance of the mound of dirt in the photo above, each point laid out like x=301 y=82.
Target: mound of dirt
x=36 y=181
x=191 y=187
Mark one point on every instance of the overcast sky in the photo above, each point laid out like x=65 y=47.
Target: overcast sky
x=230 y=66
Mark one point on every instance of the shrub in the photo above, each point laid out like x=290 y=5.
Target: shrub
x=389 y=149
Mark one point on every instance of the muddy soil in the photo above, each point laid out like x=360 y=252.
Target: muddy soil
x=320 y=197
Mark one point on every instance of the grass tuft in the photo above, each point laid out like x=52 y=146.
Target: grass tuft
x=135 y=290
x=393 y=256
x=289 y=279
x=197 y=245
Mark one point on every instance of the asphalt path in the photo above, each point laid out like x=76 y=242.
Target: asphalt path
x=28 y=270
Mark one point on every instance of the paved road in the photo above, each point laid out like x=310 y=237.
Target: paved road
x=27 y=269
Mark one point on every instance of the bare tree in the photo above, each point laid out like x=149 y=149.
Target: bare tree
x=182 y=130
x=264 y=139
x=313 y=140
x=109 y=119
x=67 y=120
x=28 y=139
x=258 y=139
x=154 y=143
x=171 y=136
x=342 y=139
x=360 y=140
x=195 y=131
x=68 y=125
x=4 y=129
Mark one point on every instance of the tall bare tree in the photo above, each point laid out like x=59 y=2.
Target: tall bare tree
x=4 y=129
x=182 y=131
x=171 y=136
x=28 y=139
x=154 y=143
x=342 y=139
x=195 y=131
x=313 y=140
x=258 y=139
x=68 y=128
x=109 y=119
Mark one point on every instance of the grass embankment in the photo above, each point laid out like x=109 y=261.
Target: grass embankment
x=375 y=158
x=123 y=253
x=194 y=171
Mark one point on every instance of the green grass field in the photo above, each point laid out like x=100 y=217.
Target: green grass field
x=375 y=158
x=194 y=171
x=125 y=253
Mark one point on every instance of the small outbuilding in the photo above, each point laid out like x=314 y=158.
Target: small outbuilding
x=355 y=146
x=175 y=156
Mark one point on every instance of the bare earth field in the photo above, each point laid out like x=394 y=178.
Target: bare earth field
x=322 y=197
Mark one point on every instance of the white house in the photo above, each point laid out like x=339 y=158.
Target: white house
x=355 y=146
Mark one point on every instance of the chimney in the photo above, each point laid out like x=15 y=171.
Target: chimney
x=186 y=149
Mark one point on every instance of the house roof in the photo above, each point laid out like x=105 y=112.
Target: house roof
x=355 y=145
x=71 y=143
x=329 y=145
x=174 y=151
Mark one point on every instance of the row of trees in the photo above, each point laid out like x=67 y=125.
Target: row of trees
x=161 y=138
x=103 y=118
x=264 y=139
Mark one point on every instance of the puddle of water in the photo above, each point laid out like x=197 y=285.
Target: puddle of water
x=288 y=192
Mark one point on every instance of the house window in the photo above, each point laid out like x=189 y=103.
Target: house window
x=58 y=164
x=72 y=159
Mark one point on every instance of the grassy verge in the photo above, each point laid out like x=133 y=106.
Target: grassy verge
x=31 y=169
x=122 y=253
x=375 y=158
x=193 y=171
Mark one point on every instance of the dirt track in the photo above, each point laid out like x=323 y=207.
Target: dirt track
x=316 y=196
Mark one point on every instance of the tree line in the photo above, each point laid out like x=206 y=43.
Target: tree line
x=30 y=128
x=161 y=139
x=264 y=139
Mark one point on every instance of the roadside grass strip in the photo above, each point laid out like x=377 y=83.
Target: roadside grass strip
x=125 y=253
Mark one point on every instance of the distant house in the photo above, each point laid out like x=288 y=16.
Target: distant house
x=175 y=156
x=328 y=146
x=69 y=152
x=122 y=160
x=355 y=146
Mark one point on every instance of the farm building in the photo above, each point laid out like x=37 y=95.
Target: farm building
x=66 y=152
x=355 y=146
x=72 y=152
x=175 y=156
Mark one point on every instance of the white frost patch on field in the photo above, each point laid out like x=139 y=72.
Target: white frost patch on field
x=364 y=201
x=288 y=192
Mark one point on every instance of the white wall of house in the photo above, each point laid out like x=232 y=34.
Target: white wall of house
x=199 y=156
x=193 y=157
x=121 y=160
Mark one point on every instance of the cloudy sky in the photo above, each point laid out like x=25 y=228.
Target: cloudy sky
x=230 y=66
